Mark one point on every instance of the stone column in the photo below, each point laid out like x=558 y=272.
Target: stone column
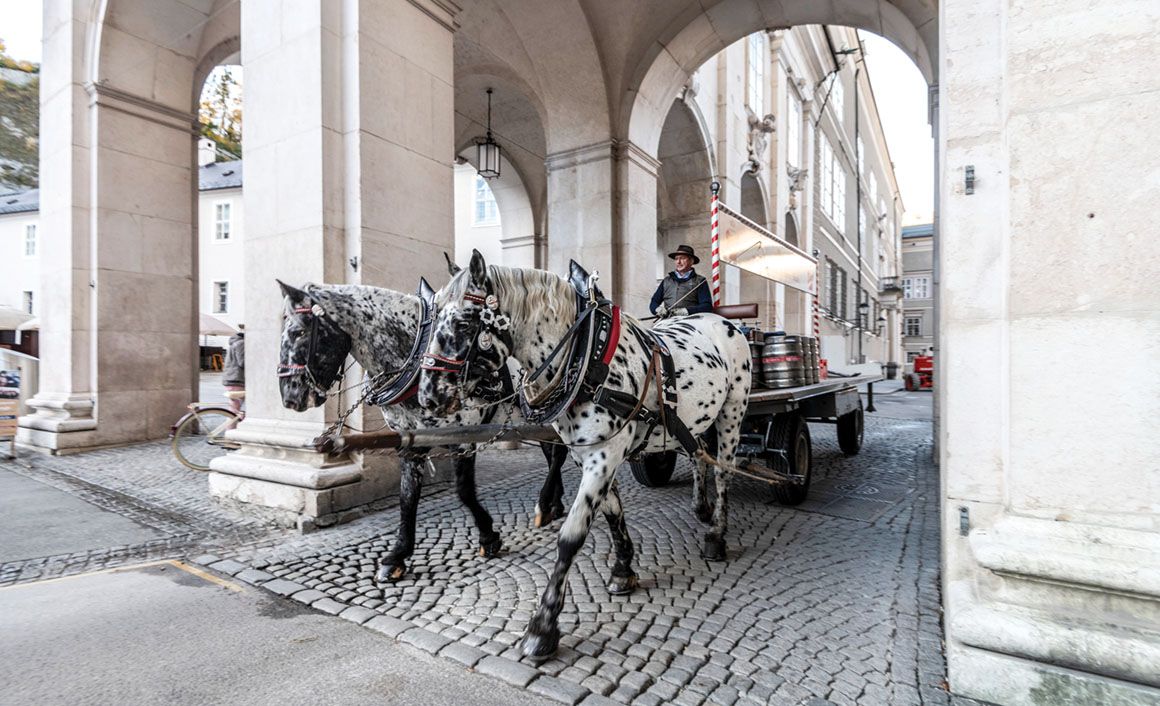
x=1050 y=540
x=603 y=213
x=118 y=329
x=348 y=179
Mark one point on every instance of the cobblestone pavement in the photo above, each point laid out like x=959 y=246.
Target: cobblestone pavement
x=836 y=601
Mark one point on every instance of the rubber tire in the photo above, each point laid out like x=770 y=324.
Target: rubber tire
x=792 y=433
x=911 y=381
x=654 y=470
x=187 y=427
x=851 y=427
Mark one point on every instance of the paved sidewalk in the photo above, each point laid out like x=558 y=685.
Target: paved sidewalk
x=836 y=601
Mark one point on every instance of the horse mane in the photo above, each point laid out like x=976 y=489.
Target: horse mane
x=524 y=294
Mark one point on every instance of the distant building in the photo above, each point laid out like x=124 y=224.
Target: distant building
x=917 y=289
x=220 y=233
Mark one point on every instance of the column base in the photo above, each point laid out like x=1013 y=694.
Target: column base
x=60 y=424
x=277 y=475
x=1056 y=612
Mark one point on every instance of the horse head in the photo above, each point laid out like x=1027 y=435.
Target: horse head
x=472 y=339
x=312 y=350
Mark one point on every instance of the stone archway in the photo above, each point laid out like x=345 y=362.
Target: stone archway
x=119 y=354
x=683 y=179
x=754 y=202
x=791 y=229
x=518 y=126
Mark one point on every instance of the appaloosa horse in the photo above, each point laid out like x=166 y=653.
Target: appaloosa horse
x=378 y=327
x=530 y=313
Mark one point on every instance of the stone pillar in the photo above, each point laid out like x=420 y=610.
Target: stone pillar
x=118 y=328
x=603 y=213
x=348 y=159
x=522 y=251
x=1050 y=532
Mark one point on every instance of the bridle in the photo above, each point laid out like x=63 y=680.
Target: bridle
x=493 y=325
x=287 y=370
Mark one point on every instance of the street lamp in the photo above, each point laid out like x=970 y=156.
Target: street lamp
x=487 y=152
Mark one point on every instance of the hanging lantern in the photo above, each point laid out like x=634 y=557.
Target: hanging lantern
x=487 y=152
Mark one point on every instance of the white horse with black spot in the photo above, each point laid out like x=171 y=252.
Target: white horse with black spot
x=530 y=314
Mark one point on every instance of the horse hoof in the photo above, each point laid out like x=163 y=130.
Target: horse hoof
x=714 y=549
x=622 y=585
x=540 y=646
x=390 y=573
x=545 y=518
x=487 y=550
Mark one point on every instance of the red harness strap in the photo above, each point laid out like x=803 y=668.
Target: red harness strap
x=407 y=395
x=613 y=337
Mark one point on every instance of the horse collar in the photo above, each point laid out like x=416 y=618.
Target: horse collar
x=404 y=385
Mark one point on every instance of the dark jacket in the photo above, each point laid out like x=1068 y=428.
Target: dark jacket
x=234 y=369
x=673 y=291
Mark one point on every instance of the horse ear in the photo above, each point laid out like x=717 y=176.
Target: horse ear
x=451 y=266
x=478 y=268
x=287 y=290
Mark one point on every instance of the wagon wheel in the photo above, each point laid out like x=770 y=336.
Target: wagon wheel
x=792 y=435
x=850 y=427
x=654 y=470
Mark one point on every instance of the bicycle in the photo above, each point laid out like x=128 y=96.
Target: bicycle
x=199 y=436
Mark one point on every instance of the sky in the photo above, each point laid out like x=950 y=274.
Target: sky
x=901 y=94
x=20 y=22
x=899 y=90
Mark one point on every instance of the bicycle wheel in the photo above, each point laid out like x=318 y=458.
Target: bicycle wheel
x=201 y=437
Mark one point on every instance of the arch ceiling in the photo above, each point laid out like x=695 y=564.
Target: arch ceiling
x=516 y=122
x=156 y=50
x=603 y=69
x=654 y=70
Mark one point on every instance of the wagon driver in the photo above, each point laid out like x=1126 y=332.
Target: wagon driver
x=682 y=291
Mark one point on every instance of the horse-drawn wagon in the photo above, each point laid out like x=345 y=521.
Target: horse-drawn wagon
x=775 y=439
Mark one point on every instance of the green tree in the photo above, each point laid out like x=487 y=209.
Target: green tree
x=220 y=111
x=19 y=122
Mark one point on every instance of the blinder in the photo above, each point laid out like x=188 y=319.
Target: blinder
x=493 y=325
x=285 y=370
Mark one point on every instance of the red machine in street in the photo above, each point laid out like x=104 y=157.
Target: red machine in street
x=923 y=376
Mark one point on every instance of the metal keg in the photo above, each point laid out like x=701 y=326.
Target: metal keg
x=781 y=362
x=815 y=353
x=755 y=365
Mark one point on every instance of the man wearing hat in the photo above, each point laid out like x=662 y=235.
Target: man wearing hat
x=682 y=291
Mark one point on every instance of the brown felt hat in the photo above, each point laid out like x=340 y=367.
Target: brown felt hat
x=684 y=250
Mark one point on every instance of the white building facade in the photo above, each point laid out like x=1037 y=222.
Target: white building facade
x=918 y=304
x=20 y=251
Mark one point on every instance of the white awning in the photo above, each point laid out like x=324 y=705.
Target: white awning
x=10 y=319
x=746 y=245
x=215 y=327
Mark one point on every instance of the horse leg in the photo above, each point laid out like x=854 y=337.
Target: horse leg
x=490 y=542
x=550 y=506
x=728 y=433
x=394 y=566
x=623 y=578
x=543 y=634
x=702 y=505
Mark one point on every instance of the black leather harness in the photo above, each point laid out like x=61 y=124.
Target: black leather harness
x=406 y=383
x=593 y=339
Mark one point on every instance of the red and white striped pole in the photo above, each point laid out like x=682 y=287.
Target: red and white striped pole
x=716 y=246
x=817 y=288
